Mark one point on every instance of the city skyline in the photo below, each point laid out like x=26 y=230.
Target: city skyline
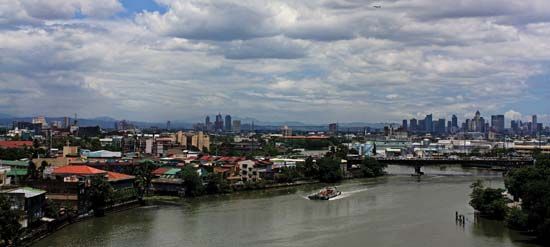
x=315 y=62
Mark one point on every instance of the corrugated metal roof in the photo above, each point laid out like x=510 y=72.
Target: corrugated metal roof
x=14 y=163
x=28 y=191
x=17 y=172
x=172 y=171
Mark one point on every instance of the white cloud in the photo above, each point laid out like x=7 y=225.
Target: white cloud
x=301 y=60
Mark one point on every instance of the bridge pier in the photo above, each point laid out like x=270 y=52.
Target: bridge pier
x=418 y=170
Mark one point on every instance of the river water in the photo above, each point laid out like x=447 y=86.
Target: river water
x=397 y=210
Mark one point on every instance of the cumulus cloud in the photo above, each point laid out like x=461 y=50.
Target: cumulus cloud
x=313 y=61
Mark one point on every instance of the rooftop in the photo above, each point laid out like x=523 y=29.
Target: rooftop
x=77 y=170
x=15 y=144
x=115 y=176
x=28 y=191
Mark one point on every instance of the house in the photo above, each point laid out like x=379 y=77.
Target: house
x=77 y=173
x=70 y=188
x=248 y=171
x=17 y=171
x=30 y=201
x=123 y=186
x=169 y=182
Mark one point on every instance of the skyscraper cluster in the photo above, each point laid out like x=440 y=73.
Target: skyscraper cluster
x=476 y=124
x=222 y=124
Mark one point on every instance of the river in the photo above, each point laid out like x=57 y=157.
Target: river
x=397 y=210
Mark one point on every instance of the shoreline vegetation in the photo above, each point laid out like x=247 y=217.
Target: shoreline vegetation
x=324 y=170
x=524 y=205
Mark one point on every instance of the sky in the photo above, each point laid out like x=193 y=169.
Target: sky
x=314 y=61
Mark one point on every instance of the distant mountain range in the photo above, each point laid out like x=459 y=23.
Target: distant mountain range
x=109 y=122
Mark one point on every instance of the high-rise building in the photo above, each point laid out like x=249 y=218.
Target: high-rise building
x=219 y=122
x=497 y=123
x=236 y=126
x=207 y=123
x=286 y=131
x=40 y=120
x=228 y=123
x=514 y=125
x=66 y=122
x=440 y=126
x=421 y=125
x=534 y=124
x=200 y=141
x=428 y=123
x=181 y=138
x=454 y=121
x=413 y=124
x=405 y=125
x=333 y=128
x=449 y=127
x=168 y=125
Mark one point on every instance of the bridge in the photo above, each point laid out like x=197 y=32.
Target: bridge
x=491 y=162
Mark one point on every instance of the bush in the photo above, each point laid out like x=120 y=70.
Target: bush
x=488 y=201
x=329 y=170
x=516 y=219
x=372 y=168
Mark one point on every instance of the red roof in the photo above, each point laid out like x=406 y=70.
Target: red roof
x=159 y=171
x=115 y=176
x=78 y=170
x=15 y=144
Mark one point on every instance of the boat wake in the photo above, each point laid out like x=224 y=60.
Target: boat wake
x=341 y=196
x=347 y=194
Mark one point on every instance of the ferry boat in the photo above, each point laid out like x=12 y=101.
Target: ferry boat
x=325 y=194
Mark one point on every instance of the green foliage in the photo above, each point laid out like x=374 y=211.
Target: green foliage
x=370 y=167
x=51 y=209
x=10 y=229
x=310 y=168
x=15 y=153
x=516 y=219
x=488 y=201
x=329 y=170
x=215 y=183
x=100 y=194
x=144 y=176
x=308 y=144
x=531 y=184
x=192 y=182
x=32 y=172
x=287 y=175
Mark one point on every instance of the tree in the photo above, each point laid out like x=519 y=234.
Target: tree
x=42 y=167
x=144 y=176
x=370 y=167
x=329 y=170
x=531 y=184
x=32 y=173
x=191 y=182
x=10 y=229
x=516 y=219
x=310 y=168
x=287 y=175
x=215 y=183
x=100 y=195
x=488 y=201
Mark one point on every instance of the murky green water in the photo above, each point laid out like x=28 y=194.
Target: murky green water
x=398 y=210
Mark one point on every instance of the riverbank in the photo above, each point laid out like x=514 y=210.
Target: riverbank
x=49 y=228
x=388 y=211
